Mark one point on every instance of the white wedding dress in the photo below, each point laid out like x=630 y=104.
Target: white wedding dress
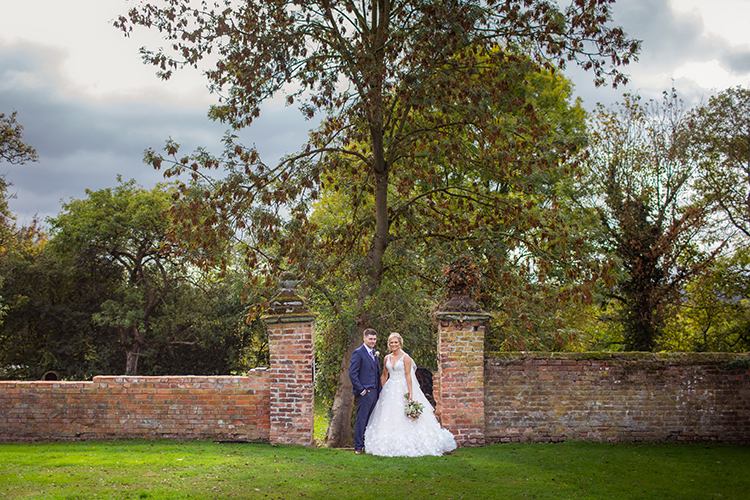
x=390 y=433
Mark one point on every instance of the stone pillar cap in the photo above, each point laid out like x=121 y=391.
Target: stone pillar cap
x=462 y=316
x=287 y=306
x=461 y=308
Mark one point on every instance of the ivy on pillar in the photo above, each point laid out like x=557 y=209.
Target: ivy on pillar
x=290 y=337
x=461 y=328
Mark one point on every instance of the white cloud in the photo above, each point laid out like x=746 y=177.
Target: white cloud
x=709 y=75
x=724 y=28
x=95 y=59
x=696 y=45
x=726 y=19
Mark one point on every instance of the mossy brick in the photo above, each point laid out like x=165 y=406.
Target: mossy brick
x=653 y=404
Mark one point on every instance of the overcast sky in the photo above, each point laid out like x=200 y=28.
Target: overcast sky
x=90 y=107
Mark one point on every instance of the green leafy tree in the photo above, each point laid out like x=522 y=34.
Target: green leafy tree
x=53 y=300
x=203 y=328
x=50 y=303
x=7 y=219
x=715 y=312
x=12 y=150
x=6 y=225
x=404 y=86
x=718 y=133
x=537 y=260
x=126 y=226
x=652 y=222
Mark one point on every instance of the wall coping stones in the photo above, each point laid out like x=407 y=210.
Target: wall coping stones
x=685 y=358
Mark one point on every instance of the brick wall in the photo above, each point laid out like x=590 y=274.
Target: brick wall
x=546 y=397
x=186 y=407
x=537 y=397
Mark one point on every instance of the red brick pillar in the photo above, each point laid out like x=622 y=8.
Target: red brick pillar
x=290 y=338
x=460 y=397
x=461 y=326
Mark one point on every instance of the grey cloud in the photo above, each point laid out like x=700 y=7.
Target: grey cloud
x=84 y=143
x=668 y=41
x=737 y=62
x=667 y=38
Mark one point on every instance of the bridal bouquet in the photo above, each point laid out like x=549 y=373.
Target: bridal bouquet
x=413 y=409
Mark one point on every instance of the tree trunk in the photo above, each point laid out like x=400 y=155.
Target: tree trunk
x=340 y=425
x=131 y=365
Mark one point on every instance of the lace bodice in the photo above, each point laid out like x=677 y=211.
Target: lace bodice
x=397 y=370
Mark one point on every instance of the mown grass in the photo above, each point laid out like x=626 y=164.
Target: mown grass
x=205 y=470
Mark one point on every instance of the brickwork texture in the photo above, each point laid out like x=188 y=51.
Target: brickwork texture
x=292 y=413
x=118 y=407
x=508 y=397
x=460 y=393
x=543 y=397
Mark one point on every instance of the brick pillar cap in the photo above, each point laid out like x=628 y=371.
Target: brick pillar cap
x=288 y=306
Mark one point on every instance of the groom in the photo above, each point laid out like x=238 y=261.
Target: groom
x=364 y=373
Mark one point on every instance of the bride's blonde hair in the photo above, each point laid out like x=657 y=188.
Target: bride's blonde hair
x=396 y=335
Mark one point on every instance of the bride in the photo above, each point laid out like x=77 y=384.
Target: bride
x=390 y=433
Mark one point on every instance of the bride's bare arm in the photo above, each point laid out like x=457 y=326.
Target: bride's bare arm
x=384 y=374
x=407 y=369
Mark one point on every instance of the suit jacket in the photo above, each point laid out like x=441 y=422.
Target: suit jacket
x=364 y=372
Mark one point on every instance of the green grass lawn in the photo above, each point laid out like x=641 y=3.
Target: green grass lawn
x=205 y=470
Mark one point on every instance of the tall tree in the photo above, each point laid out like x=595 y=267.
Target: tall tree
x=383 y=73
x=652 y=220
x=55 y=322
x=715 y=313
x=202 y=328
x=126 y=226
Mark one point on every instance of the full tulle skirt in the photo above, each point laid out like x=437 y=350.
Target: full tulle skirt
x=390 y=433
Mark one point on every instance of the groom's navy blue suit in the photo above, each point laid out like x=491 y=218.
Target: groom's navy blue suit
x=364 y=373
